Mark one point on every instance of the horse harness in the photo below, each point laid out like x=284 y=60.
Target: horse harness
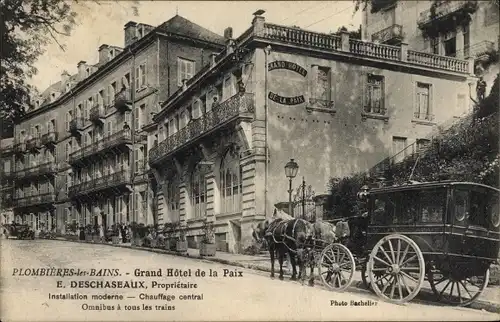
x=281 y=226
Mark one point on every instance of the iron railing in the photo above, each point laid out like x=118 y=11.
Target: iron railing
x=97 y=184
x=220 y=115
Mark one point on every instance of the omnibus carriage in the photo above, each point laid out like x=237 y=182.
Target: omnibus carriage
x=447 y=232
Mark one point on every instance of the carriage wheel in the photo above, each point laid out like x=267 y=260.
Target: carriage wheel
x=396 y=268
x=336 y=267
x=459 y=291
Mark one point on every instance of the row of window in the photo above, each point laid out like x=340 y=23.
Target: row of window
x=230 y=187
x=221 y=91
x=35 y=188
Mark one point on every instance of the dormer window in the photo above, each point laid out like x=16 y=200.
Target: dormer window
x=111 y=54
x=88 y=71
x=68 y=87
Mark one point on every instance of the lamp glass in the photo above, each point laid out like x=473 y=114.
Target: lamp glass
x=291 y=169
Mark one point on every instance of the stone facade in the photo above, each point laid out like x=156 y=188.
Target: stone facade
x=461 y=29
x=335 y=105
x=91 y=168
x=6 y=181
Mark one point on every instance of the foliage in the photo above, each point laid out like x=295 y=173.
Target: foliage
x=467 y=151
x=88 y=230
x=376 y=5
x=182 y=232
x=353 y=34
x=26 y=28
x=72 y=227
x=142 y=230
x=343 y=201
x=208 y=236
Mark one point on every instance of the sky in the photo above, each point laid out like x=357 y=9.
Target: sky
x=102 y=23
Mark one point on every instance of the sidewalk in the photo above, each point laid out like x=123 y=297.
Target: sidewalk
x=489 y=299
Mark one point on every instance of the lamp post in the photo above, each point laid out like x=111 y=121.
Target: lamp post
x=291 y=169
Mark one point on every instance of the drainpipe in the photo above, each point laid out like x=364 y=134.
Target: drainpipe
x=267 y=52
x=132 y=127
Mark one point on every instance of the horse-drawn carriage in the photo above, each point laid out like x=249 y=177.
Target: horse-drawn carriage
x=21 y=231
x=444 y=232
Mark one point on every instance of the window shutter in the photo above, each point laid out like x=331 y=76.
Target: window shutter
x=143 y=75
x=137 y=78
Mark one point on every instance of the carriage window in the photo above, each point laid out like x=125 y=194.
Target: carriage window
x=477 y=215
x=461 y=204
x=383 y=210
x=433 y=204
x=409 y=201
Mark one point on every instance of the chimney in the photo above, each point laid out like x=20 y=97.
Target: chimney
x=82 y=65
x=103 y=54
x=130 y=32
x=228 y=33
x=64 y=77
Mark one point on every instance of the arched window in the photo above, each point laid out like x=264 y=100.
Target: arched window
x=173 y=198
x=198 y=192
x=230 y=183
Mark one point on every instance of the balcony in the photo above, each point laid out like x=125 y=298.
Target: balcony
x=445 y=11
x=76 y=125
x=392 y=35
x=226 y=113
x=49 y=139
x=6 y=174
x=97 y=114
x=123 y=100
x=481 y=51
x=115 y=140
x=362 y=49
x=117 y=182
x=20 y=148
x=33 y=144
x=48 y=168
x=40 y=200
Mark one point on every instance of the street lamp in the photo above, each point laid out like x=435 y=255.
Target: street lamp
x=291 y=169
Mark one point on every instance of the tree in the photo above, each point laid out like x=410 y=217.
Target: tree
x=26 y=27
x=376 y=5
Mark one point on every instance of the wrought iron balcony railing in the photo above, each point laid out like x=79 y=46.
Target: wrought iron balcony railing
x=392 y=35
x=123 y=100
x=97 y=114
x=98 y=184
x=50 y=138
x=40 y=199
x=76 y=125
x=445 y=9
x=229 y=110
x=36 y=170
x=33 y=143
x=121 y=137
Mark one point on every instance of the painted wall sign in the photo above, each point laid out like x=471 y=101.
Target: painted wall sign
x=281 y=64
x=286 y=100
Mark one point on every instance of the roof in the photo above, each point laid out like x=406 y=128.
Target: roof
x=181 y=26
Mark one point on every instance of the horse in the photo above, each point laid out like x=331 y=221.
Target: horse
x=324 y=233
x=283 y=237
